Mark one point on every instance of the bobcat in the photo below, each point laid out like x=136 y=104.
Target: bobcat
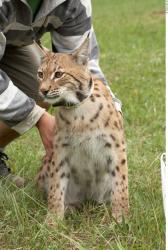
x=89 y=159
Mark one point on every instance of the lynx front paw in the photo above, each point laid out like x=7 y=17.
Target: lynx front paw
x=119 y=213
x=52 y=220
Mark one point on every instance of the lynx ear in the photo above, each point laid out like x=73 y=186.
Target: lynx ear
x=81 y=55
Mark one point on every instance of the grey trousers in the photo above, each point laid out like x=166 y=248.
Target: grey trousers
x=21 y=65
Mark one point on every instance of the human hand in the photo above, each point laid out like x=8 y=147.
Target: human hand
x=46 y=127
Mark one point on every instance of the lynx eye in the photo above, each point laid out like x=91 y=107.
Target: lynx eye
x=58 y=74
x=40 y=74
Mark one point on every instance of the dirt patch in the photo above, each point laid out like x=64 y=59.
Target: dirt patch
x=158 y=13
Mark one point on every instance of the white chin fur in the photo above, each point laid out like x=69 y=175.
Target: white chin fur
x=71 y=98
x=68 y=97
x=53 y=100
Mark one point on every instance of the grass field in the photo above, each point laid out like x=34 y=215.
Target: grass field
x=131 y=38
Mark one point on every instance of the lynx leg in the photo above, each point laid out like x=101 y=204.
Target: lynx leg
x=120 y=202
x=42 y=176
x=59 y=178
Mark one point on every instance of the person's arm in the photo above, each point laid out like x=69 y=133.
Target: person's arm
x=17 y=110
x=76 y=26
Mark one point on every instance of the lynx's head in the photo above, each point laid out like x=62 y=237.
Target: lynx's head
x=64 y=78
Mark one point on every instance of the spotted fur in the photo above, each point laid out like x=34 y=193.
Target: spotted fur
x=89 y=161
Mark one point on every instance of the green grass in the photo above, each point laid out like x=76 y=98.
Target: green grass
x=131 y=39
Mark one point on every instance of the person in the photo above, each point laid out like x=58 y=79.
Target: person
x=22 y=24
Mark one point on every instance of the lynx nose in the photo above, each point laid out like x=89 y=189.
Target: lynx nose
x=44 y=91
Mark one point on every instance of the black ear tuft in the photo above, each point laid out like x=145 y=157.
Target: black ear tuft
x=81 y=55
x=46 y=56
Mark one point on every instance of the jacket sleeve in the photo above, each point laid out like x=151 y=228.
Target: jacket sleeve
x=75 y=28
x=16 y=109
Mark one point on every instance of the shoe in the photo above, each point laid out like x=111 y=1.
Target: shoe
x=5 y=172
